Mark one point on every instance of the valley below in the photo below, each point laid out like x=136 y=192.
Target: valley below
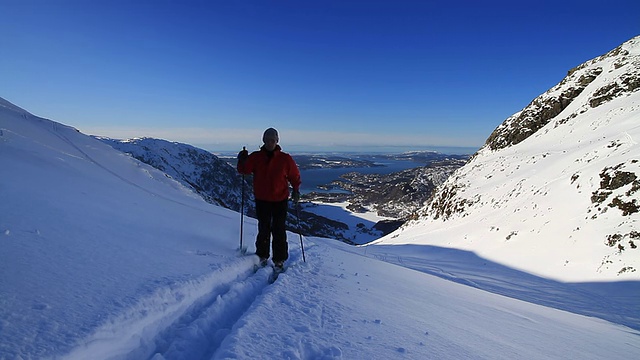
x=366 y=196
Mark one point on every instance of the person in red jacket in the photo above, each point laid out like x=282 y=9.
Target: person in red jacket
x=273 y=170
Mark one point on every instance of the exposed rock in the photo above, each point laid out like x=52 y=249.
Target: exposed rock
x=582 y=132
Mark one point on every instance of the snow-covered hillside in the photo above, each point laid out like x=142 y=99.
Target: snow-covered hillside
x=214 y=179
x=104 y=257
x=556 y=189
x=218 y=182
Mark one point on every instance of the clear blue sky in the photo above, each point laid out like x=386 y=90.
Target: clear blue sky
x=363 y=73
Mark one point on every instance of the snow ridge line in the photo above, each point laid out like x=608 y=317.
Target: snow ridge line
x=56 y=131
x=178 y=316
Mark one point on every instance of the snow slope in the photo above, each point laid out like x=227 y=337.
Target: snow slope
x=204 y=173
x=555 y=191
x=104 y=257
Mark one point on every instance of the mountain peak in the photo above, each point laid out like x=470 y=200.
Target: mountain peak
x=587 y=86
x=556 y=189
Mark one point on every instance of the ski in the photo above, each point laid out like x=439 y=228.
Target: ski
x=276 y=272
x=259 y=265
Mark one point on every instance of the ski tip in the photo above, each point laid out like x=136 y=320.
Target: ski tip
x=273 y=277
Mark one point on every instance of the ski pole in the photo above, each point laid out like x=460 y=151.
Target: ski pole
x=242 y=209
x=300 y=231
x=242 y=213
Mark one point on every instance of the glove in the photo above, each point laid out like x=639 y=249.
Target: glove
x=243 y=156
x=295 y=196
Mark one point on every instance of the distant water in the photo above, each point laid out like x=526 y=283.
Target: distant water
x=313 y=178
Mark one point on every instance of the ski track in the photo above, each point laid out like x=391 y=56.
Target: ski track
x=200 y=331
x=187 y=321
x=299 y=339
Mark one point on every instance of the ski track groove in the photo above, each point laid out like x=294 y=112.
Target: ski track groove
x=200 y=331
x=201 y=328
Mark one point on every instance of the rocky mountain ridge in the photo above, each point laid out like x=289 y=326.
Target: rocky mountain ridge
x=203 y=172
x=217 y=181
x=398 y=195
x=558 y=179
x=618 y=74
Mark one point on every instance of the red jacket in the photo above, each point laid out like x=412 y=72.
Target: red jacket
x=271 y=174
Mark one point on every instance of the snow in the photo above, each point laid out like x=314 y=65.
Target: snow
x=529 y=206
x=104 y=257
x=338 y=210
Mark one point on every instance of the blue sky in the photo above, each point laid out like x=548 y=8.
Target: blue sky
x=328 y=73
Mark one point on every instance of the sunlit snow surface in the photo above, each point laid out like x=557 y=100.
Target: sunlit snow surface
x=533 y=205
x=104 y=257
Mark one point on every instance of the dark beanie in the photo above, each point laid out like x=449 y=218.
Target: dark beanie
x=270 y=133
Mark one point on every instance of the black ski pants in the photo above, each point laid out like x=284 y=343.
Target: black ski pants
x=271 y=221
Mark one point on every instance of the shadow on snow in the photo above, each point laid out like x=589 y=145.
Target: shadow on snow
x=616 y=302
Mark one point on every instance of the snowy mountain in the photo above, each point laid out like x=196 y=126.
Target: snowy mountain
x=394 y=197
x=104 y=257
x=218 y=182
x=214 y=179
x=555 y=189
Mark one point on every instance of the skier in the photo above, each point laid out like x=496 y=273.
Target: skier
x=273 y=170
